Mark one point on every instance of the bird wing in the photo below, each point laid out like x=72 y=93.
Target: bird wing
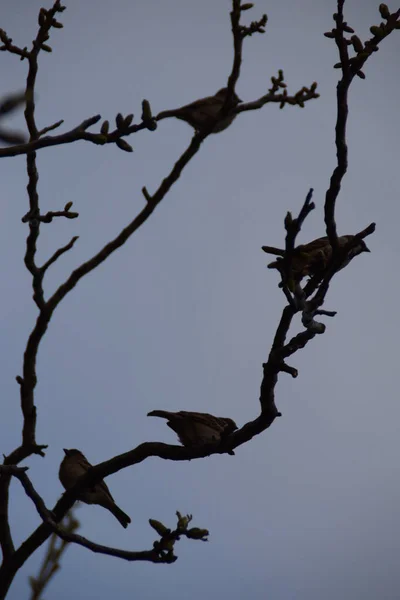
x=204 y=419
x=83 y=465
x=313 y=246
x=205 y=103
x=163 y=414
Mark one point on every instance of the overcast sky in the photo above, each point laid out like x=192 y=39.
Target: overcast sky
x=183 y=316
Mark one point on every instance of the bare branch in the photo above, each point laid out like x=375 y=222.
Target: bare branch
x=162 y=551
x=49 y=216
x=125 y=234
x=6 y=540
x=237 y=53
x=293 y=227
x=51 y=560
x=50 y=128
x=303 y=95
x=74 y=135
x=350 y=68
x=8 y=46
x=280 y=350
x=58 y=253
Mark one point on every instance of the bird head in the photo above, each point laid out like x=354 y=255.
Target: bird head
x=358 y=249
x=364 y=247
x=72 y=452
x=230 y=426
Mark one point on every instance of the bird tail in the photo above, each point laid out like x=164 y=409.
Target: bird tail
x=166 y=114
x=164 y=414
x=119 y=514
x=274 y=264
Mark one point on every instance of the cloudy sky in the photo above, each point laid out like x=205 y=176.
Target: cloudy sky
x=183 y=316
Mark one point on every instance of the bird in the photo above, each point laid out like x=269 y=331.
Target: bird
x=75 y=464
x=195 y=429
x=313 y=258
x=204 y=112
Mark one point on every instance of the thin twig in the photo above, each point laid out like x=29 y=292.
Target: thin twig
x=58 y=253
x=51 y=560
x=162 y=552
x=282 y=99
x=50 y=127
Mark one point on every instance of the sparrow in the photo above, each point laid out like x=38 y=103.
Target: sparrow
x=194 y=428
x=75 y=464
x=312 y=258
x=203 y=112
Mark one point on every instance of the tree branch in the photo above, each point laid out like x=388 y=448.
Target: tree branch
x=162 y=551
x=350 y=68
x=280 y=350
x=51 y=560
x=58 y=253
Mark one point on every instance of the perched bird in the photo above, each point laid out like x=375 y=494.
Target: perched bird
x=203 y=112
x=72 y=467
x=312 y=258
x=194 y=428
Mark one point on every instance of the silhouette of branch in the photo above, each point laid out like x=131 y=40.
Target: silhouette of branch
x=49 y=216
x=58 y=253
x=298 y=99
x=27 y=382
x=162 y=551
x=269 y=412
x=28 y=379
x=281 y=349
x=350 y=68
x=50 y=127
x=51 y=560
x=74 y=135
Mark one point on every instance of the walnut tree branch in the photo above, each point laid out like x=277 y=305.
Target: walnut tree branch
x=28 y=380
x=162 y=551
x=58 y=253
x=51 y=560
x=350 y=68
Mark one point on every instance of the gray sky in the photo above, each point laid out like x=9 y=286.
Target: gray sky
x=183 y=316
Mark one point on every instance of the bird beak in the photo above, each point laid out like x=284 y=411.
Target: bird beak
x=367 y=249
x=66 y=451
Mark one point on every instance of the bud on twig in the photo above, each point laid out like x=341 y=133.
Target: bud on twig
x=123 y=145
x=119 y=121
x=384 y=10
x=104 y=128
x=159 y=527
